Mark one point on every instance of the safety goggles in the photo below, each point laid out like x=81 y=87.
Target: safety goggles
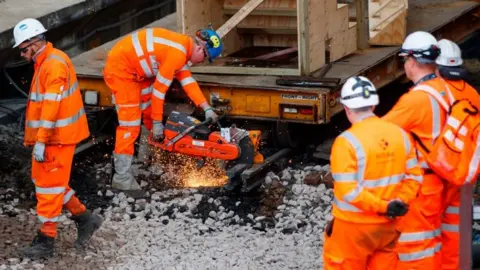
x=365 y=93
x=429 y=54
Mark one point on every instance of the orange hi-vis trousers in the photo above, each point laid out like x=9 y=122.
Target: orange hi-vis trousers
x=355 y=246
x=51 y=179
x=132 y=100
x=419 y=246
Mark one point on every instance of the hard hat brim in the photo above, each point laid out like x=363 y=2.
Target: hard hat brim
x=36 y=34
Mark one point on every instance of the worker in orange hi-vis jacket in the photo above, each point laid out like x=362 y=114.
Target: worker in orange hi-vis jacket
x=417 y=112
x=139 y=71
x=376 y=175
x=449 y=69
x=55 y=123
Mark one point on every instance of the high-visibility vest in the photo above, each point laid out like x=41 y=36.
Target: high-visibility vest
x=372 y=163
x=55 y=112
x=455 y=154
x=155 y=53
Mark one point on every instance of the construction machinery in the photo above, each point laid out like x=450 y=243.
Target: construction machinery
x=237 y=148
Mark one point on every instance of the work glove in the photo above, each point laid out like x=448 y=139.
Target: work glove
x=209 y=113
x=39 y=152
x=157 y=131
x=396 y=208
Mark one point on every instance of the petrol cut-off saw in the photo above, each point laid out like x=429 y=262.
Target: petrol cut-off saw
x=235 y=147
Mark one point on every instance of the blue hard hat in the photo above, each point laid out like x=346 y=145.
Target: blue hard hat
x=214 y=44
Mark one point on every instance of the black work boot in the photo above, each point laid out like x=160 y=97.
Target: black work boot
x=42 y=247
x=87 y=223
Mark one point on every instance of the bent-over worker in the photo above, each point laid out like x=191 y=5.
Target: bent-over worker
x=418 y=112
x=55 y=123
x=139 y=71
x=376 y=175
x=449 y=69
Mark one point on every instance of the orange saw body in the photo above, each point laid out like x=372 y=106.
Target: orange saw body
x=212 y=145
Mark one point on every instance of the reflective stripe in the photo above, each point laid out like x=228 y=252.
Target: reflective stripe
x=145 y=105
x=451 y=121
x=37 y=97
x=418 y=178
x=383 y=181
x=153 y=64
x=406 y=142
x=436 y=124
x=149 y=40
x=419 y=236
x=453 y=210
x=45 y=219
x=158 y=94
x=450 y=137
x=52 y=190
x=353 y=194
x=33 y=180
x=450 y=228
x=133 y=123
x=187 y=81
x=474 y=163
x=412 y=256
x=68 y=196
x=359 y=153
x=137 y=45
x=345 y=206
x=185 y=67
x=146 y=69
x=412 y=163
x=163 y=80
x=59 y=123
x=147 y=90
x=170 y=43
x=344 y=177
x=424 y=165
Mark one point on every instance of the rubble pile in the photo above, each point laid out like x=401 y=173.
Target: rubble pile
x=278 y=227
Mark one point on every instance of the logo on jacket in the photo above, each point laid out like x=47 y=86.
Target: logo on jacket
x=383 y=144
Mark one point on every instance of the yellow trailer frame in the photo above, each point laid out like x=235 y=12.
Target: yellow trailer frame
x=260 y=98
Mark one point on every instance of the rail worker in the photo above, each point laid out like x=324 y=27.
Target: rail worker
x=376 y=175
x=419 y=113
x=139 y=71
x=55 y=123
x=449 y=69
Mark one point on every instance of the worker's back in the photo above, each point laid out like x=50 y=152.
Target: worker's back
x=374 y=154
x=139 y=54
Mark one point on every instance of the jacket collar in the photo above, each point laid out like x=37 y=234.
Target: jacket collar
x=40 y=58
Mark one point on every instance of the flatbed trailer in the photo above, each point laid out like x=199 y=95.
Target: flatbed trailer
x=257 y=97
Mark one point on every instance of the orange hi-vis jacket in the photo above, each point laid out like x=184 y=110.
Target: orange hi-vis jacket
x=372 y=163
x=160 y=53
x=413 y=114
x=55 y=112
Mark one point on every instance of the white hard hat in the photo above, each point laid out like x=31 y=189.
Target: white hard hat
x=451 y=55
x=421 y=45
x=358 y=92
x=27 y=29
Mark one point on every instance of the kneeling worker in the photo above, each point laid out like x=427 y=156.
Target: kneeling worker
x=376 y=175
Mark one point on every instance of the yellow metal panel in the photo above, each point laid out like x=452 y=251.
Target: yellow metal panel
x=105 y=95
x=257 y=104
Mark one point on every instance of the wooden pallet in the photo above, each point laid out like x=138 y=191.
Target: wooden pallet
x=320 y=29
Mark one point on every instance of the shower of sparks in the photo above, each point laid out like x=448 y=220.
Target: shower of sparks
x=186 y=173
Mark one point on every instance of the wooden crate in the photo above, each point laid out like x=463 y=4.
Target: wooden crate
x=319 y=29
